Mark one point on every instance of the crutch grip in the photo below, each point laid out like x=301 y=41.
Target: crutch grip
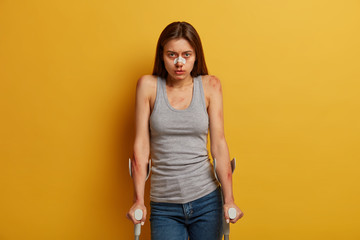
x=138 y=214
x=232 y=213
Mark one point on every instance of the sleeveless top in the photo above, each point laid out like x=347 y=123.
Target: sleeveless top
x=181 y=170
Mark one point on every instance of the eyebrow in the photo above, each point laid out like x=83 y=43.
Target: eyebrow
x=169 y=51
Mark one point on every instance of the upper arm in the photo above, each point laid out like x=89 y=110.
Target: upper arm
x=142 y=115
x=215 y=111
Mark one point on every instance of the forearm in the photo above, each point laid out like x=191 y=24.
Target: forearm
x=139 y=172
x=223 y=170
x=139 y=176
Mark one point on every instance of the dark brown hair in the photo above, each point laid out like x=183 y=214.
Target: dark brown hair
x=180 y=30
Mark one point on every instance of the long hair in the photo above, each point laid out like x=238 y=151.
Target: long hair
x=180 y=30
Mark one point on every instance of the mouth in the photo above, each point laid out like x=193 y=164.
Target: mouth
x=179 y=72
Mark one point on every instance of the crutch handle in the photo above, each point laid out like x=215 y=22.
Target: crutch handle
x=232 y=213
x=138 y=214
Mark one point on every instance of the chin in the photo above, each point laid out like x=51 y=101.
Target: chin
x=178 y=77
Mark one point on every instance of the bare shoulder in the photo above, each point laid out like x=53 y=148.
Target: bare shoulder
x=146 y=89
x=146 y=81
x=212 y=84
x=146 y=85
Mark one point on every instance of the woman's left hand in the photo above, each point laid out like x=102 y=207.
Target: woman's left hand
x=239 y=213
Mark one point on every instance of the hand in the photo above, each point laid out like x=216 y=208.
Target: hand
x=131 y=214
x=239 y=213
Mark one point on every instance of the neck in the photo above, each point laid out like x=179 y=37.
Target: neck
x=178 y=83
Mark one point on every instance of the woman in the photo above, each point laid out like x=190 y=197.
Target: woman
x=175 y=107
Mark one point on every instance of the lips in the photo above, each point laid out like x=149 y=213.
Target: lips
x=179 y=72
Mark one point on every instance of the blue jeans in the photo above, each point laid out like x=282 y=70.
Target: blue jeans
x=198 y=220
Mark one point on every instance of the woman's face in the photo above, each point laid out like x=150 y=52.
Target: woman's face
x=173 y=49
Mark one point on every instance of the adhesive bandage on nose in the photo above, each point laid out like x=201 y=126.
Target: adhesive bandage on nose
x=180 y=60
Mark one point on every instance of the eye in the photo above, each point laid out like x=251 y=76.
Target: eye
x=171 y=54
x=187 y=54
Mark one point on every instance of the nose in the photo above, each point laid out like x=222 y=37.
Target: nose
x=179 y=60
x=179 y=64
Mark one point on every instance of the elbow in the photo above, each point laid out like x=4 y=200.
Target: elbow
x=140 y=158
x=218 y=147
x=139 y=165
x=141 y=154
x=214 y=151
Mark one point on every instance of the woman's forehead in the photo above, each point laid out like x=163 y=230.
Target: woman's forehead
x=178 y=45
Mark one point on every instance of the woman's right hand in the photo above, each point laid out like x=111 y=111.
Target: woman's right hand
x=131 y=214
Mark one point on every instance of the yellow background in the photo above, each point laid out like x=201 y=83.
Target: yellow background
x=290 y=75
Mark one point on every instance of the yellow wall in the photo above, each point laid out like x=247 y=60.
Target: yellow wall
x=290 y=74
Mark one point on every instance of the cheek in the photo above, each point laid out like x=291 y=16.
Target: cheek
x=190 y=62
x=166 y=59
x=168 y=63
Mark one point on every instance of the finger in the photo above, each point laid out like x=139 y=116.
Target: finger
x=238 y=216
x=144 y=212
x=143 y=220
x=144 y=216
x=226 y=215
x=131 y=216
x=235 y=219
x=134 y=221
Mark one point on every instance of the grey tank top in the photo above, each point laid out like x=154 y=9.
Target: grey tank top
x=181 y=170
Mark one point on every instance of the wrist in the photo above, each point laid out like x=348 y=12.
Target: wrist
x=139 y=201
x=229 y=200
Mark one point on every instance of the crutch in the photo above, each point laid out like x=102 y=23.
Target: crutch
x=231 y=211
x=139 y=212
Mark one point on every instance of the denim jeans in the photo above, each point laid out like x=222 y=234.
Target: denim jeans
x=198 y=220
